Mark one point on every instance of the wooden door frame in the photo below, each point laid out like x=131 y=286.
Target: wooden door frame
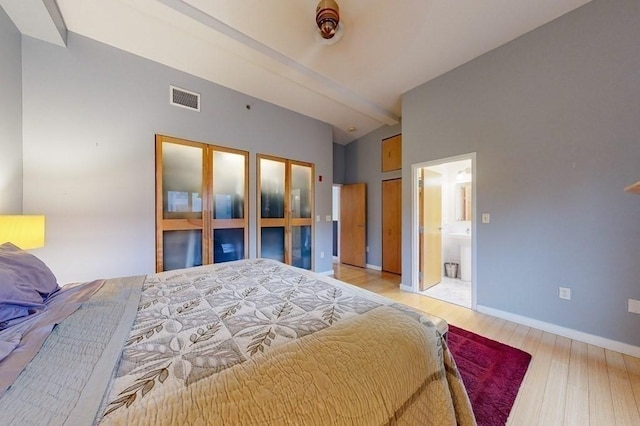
x=412 y=284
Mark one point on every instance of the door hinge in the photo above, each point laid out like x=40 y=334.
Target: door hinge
x=421 y=229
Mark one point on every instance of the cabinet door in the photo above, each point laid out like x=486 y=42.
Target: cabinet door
x=392 y=153
x=353 y=224
x=229 y=212
x=301 y=214
x=285 y=203
x=180 y=190
x=201 y=204
x=272 y=205
x=392 y=226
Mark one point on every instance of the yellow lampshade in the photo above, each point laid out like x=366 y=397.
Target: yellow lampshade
x=25 y=231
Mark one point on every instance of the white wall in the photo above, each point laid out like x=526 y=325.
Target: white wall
x=90 y=116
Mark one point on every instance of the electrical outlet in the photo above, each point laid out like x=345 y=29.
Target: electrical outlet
x=634 y=306
x=564 y=293
x=321 y=255
x=486 y=218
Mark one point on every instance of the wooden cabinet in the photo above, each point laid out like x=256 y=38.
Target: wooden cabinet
x=285 y=210
x=201 y=203
x=392 y=153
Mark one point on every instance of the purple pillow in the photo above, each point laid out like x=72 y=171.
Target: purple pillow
x=25 y=282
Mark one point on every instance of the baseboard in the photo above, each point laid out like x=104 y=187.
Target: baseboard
x=580 y=336
x=406 y=288
x=374 y=267
x=328 y=273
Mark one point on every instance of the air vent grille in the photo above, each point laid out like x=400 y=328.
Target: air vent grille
x=184 y=98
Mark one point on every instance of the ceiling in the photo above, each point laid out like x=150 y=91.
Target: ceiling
x=271 y=50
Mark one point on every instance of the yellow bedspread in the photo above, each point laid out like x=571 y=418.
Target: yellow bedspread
x=382 y=367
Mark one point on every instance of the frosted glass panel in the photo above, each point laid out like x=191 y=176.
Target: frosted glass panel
x=228 y=185
x=272 y=243
x=181 y=249
x=301 y=246
x=181 y=181
x=300 y=191
x=271 y=188
x=228 y=244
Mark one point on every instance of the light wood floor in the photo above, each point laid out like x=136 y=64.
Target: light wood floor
x=568 y=382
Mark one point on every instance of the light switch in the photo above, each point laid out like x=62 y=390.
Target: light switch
x=486 y=218
x=318 y=218
x=328 y=218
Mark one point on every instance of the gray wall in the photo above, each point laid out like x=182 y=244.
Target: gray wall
x=363 y=163
x=10 y=117
x=554 y=117
x=338 y=163
x=90 y=116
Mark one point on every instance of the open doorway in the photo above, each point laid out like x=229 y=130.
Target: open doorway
x=335 y=216
x=443 y=211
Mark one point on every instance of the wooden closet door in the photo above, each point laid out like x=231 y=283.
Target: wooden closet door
x=285 y=210
x=392 y=226
x=201 y=203
x=353 y=229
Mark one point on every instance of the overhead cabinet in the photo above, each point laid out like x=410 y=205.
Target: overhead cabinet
x=392 y=153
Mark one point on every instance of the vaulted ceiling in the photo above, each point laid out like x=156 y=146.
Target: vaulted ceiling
x=270 y=49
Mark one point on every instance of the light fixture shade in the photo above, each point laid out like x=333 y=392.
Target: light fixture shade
x=464 y=175
x=327 y=18
x=25 y=231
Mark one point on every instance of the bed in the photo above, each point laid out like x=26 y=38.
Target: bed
x=245 y=342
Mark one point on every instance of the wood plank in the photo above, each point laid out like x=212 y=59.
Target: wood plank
x=624 y=406
x=600 y=400
x=506 y=331
x=540 y=346
x=633 y=369
x=553 y=401
x=577 y=400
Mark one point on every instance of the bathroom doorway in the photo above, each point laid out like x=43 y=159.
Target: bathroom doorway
x=443 y=211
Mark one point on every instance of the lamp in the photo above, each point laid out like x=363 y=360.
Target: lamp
x=25 y=231
x=327 y=18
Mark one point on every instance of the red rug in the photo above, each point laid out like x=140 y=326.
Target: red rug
x=491 y=371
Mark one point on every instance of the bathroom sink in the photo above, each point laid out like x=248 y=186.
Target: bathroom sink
x=465 y=254
x=459 y=235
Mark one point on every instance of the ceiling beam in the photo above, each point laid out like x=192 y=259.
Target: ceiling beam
x=314 y=80
x=39 y=19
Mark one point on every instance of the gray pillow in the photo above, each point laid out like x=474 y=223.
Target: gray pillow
x=25 y=282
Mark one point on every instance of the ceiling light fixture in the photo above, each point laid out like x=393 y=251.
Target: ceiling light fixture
x=327 y=18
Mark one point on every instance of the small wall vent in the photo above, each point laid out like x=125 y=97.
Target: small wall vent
x=184 y=98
